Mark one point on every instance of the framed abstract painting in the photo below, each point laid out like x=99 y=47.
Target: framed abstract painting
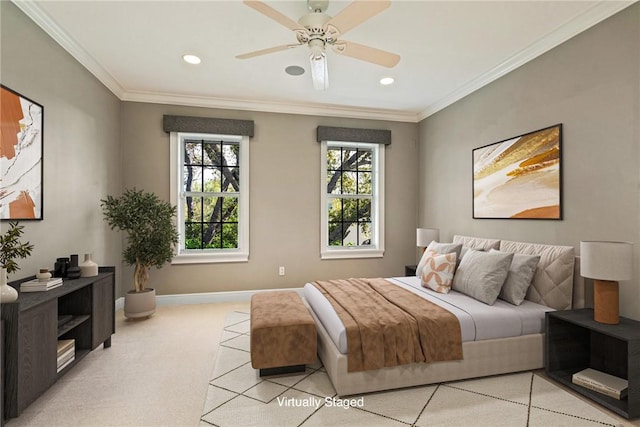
x=21 y=138
x=520 y=177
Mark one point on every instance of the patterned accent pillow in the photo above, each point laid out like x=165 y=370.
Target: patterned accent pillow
x=437 y=272
x=440 y=248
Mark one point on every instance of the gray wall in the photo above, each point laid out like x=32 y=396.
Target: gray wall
x=81 y=146
x=591 y=84
x=284 y=199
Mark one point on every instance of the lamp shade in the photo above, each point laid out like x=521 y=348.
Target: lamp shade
x=424 y=236
x=611 y=261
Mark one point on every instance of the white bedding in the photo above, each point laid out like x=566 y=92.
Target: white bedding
x=478 y=321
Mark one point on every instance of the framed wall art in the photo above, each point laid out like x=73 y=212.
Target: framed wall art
x=520 y=177
x=21 y=137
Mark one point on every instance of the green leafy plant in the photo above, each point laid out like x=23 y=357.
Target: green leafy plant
x=150 y=227
x=12 y=249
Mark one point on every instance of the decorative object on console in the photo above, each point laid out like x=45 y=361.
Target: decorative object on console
x=74 y=271
x=424 y=236
x=88 y=268
x=150 y=225
x=520 y=177
x=43 y=275
x=21 y=156
x=607 y=263
x=60 y=268
x=11 y=248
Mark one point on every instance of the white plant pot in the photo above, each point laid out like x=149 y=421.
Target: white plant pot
x=140 y=304
x=7 y=293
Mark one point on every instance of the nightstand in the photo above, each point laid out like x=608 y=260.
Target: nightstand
x=574 y=341
x=410 y=270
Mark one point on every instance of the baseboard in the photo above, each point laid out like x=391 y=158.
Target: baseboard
x=207 y=297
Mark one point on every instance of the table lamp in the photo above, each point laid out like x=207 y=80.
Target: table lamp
x=424 y=236
x=607 y=263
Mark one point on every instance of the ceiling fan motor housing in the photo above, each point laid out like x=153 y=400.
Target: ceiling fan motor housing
x=317 y=5
x=314 y=23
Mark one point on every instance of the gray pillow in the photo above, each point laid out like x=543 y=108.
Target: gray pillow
x=521 y=272
x=441 y=249
x=482 y=274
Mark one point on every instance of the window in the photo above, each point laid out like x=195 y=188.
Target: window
x=210 y=187
x=352 y=212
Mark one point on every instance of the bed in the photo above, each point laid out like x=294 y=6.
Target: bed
x=491 y=344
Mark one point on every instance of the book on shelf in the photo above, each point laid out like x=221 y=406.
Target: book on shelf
x=64 y=357
x=64 y=345
x=36 y=285
x=65 y=364
x=66 y=353
x=601 y=382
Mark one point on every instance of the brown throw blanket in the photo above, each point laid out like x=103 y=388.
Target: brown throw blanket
x=388 y=325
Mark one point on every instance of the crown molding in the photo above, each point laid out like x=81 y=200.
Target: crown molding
x=592 y=16
x=326 y=110
x=582 y=22
x=44 y=21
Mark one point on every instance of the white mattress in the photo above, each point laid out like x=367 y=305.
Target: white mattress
x=478 y=321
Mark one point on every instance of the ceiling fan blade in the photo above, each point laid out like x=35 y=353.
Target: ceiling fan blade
x=319 y=71
x=366 y=53
x=267 y=51
x=356 y=13
x=270 y=12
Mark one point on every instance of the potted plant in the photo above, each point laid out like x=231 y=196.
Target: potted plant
x=11 y=248
x=152 y=236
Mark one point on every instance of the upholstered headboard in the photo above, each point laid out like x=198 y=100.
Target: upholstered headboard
x=557 y=282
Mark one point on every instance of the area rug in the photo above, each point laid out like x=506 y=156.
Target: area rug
x=237 y=396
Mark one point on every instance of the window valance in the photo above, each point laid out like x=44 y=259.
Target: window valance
x=207 y=125
x=377 y=136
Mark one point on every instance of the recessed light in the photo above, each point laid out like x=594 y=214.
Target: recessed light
x=294 y=70
x=191 y=59
x=387 y=81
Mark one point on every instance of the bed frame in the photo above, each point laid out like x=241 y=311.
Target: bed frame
x=481 y=358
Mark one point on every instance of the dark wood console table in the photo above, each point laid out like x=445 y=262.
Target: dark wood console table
x=32 y=331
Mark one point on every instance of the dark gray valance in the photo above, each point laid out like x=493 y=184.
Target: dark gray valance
x=376 y=136
x=207 y=125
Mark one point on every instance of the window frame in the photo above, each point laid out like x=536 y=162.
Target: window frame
x=212 y=255
x=376 y=249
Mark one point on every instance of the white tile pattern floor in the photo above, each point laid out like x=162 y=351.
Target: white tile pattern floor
x=157 y=373
x=237 y=396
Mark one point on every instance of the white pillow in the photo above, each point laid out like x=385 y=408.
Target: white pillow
x=440 y=248
x=482 y=274
x=437 y=273
x=519 y=278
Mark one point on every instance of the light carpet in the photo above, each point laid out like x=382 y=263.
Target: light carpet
x=237 y=396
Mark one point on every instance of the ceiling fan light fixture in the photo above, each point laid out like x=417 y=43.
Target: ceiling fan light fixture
x=191 y=59
x=319 y=72
x=385 y=81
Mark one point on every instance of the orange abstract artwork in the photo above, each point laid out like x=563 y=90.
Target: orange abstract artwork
x=21 y=121
x=520 y=177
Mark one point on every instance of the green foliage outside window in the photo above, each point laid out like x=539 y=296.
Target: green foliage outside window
x=211 y=177
x=350 y=189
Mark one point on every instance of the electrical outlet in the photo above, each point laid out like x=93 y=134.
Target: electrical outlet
x=281 y=271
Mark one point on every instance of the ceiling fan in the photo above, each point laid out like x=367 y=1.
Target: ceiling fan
x=319 y=30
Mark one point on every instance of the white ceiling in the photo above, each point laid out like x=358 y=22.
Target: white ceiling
x=448 y=49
